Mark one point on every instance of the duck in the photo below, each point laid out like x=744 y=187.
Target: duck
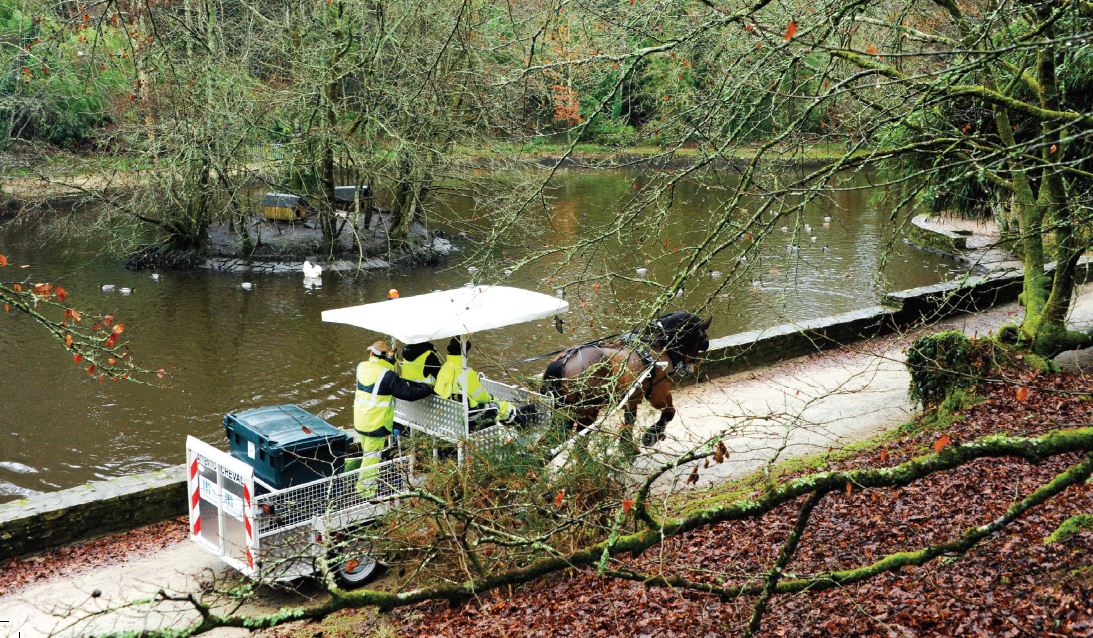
x=155 y=276
x=827 y=219
x=826 y=249
x=472 y=269
x=108 y=287
x=785 y=229
x=508 y=272
x=812 y=239
x=247 y=285
x=125 y=291
x=312 y=270
x=716 y=274
x=642 y=271
x=808 y=228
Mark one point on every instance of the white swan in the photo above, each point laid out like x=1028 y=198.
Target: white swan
x=312 y=270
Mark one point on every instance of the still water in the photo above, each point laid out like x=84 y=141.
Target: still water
x=225 y=348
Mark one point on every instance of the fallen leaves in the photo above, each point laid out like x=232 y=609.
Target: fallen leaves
x=1015 y=579
x=1022 y=394
x=941 y=442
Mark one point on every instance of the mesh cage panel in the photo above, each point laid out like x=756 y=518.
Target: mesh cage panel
x=337 y=500
x=442 y=418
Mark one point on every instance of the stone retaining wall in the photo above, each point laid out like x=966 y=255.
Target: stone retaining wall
x=931 y=237
x=48 y=520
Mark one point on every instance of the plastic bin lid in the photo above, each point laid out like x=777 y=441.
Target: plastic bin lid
x=285 y=424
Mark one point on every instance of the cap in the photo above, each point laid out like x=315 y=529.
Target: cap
x=379 y=348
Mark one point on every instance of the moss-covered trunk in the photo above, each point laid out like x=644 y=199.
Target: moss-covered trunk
x=1047 y=299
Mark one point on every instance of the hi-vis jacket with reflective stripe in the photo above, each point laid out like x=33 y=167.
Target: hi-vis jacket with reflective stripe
x=422 y=368
x=373 y=402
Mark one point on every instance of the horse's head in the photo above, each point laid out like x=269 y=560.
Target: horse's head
x=682 y=335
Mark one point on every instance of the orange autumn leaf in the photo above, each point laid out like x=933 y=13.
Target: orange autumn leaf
x=627 y=505
x=60 y=293
x=73 y=315
x=1022 y=394
x=791 y=30
x=883 y=455
x=7 y=307
x=68 y=341
x=76 y=358
x=941 y=442
x=112 y=361
x=111 y=341
x=1053 y=149
x=107 y=320
x=558 y=498
x=17 y=287
x=849 y=487
x=872 y=49
x=3 y=261
x=119 y=328
x=91 y=370
x=43 y=290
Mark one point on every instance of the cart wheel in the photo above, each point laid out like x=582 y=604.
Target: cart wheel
x=356 y=571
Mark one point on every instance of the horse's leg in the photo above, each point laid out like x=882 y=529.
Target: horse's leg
x=661 y=398
x=629 y=418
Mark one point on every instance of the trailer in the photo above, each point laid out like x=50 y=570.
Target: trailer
x=276 y=532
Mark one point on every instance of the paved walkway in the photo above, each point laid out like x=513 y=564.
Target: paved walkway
x=801 y=406
x=817 y=403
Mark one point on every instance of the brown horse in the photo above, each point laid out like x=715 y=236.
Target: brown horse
x=585 y=378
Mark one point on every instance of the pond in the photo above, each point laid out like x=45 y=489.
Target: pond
x=226 y=348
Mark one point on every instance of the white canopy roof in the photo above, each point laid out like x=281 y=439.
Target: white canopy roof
x=449 y=313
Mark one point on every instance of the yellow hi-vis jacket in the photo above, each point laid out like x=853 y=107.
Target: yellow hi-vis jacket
x=373 y=413
x=448 y=383
x=415 y=370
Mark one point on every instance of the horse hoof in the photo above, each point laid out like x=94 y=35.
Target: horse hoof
x=650 y=439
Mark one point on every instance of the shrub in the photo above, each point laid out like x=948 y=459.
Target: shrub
x=942 y=362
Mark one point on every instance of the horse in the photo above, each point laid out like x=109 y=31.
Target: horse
x=584 y=378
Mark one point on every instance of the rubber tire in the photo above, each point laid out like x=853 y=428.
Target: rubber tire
x=368 y=568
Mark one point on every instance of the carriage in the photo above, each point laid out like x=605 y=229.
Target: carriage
x=274 y=532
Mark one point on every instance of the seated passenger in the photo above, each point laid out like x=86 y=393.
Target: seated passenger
x=420 y=362
x=484 y=408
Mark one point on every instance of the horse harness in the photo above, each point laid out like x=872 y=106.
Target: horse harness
x=648 y=359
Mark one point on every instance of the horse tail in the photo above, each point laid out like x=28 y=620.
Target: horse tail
x=553 y=376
